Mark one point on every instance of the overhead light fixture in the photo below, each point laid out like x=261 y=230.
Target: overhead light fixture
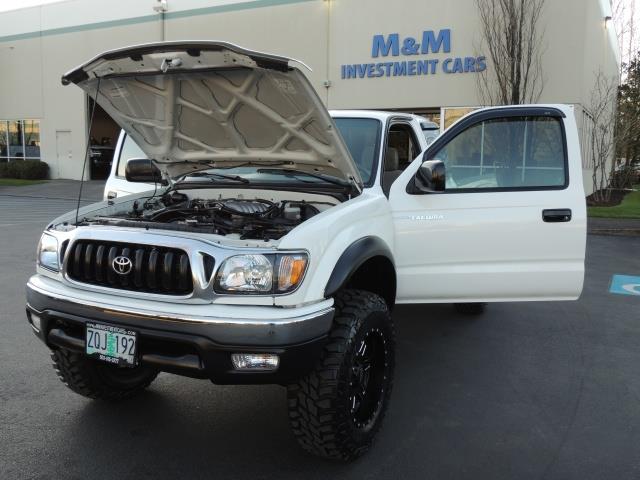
x=161 y=6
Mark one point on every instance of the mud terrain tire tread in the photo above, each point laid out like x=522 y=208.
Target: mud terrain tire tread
x=82 y=375
x=316 y=403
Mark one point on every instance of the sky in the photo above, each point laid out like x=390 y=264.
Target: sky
x=626 y=19
x=13 y=4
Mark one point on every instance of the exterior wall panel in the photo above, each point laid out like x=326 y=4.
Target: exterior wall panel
x=37 y=45
x=296 y=30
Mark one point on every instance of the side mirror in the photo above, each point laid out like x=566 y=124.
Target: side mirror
x=142 y=170
x=431 y=177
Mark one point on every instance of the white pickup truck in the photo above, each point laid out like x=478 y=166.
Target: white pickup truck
x=277 y=238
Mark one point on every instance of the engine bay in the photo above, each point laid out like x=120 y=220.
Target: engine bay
x=240 y=218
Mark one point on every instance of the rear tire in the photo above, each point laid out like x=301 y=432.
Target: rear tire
x=96 y=380
x=470 y=308
x=336 y=411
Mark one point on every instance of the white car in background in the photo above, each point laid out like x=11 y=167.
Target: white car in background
x=430 y=130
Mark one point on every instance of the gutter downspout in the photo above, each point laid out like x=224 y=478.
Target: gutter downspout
x=327 y=81
x=161 y=7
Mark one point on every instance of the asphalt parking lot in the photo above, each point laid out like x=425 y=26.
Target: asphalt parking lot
x=535 y=390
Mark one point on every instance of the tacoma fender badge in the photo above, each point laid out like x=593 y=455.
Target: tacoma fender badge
x=421 y=217
x=427 y=217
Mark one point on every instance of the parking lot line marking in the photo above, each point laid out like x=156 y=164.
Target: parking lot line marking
x=625 y=285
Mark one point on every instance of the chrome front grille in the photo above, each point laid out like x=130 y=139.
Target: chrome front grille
x=130 y=266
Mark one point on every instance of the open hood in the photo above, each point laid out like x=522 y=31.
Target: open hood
x=195 y=105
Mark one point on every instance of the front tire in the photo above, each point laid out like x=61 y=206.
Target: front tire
x=336 y=410
x=96 y=380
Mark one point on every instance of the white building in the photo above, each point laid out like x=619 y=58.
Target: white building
x=412 y=55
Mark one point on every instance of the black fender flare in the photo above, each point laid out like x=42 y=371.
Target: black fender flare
x=353 y=258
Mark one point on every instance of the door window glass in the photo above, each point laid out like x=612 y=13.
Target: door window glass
x=402 y=140
x=516 y=152
x=402 y=148
x=130 y=149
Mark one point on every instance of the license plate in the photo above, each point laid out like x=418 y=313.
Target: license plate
x=111 y=344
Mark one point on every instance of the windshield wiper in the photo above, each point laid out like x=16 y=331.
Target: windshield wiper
x=291 y=173
x=212 y=175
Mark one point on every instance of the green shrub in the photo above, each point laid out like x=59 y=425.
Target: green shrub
x=8 y=170
x=625 y=177
x=25 y=169
x=34 y=170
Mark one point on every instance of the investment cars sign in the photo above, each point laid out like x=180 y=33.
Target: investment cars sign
x=421 y=47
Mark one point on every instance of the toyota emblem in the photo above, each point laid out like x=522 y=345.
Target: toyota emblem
x=122 y=265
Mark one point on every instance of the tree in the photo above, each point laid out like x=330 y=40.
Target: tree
x=615 y=112
x=628 y=121
x=513 y=40
x=626 y=15
x=602 y=112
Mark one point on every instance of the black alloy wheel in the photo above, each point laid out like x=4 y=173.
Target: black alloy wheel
x=369 y=368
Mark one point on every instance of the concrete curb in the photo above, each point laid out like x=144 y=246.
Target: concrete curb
x=613 y=226
x=625 y=232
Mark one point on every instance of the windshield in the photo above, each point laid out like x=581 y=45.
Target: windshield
x=362 y=137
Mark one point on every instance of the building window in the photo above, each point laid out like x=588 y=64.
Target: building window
x=451 y=115
x=19 y=140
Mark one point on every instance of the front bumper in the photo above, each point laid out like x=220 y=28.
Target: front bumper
x=187 y=339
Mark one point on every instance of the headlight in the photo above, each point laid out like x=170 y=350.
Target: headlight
x=261 y=274
x=48 y=252
x=246 y=273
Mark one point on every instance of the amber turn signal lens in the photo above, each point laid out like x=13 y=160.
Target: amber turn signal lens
x=290 y=272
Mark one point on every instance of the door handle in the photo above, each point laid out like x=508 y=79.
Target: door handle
x=556 y=215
